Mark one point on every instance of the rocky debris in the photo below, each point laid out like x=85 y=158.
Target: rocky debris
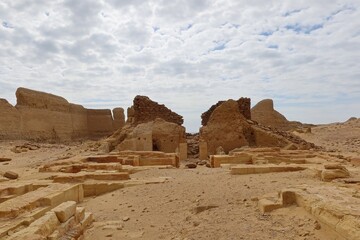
x=200 y=209
x=4 y=159
x=265 y=114
x=11 y=175
x=145 y=110
x=193 y=145
x=25 y=147
x=202 y=162
x=334 y=171
x=191 y=165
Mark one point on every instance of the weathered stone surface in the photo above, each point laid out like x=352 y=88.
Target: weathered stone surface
x=65 y=211
x=145 y=110
x=11 y=175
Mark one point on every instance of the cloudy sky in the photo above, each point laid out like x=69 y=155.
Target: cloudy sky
x=187 y=54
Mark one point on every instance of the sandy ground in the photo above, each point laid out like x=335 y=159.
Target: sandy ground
x=199 y=203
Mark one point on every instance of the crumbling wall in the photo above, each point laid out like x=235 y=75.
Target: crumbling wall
x=9 y=121
x=100 y=122
x=119 y=118
x=145 y=110
x=43 y=116
x=243 y=105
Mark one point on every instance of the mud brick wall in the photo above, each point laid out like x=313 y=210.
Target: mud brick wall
x=244 y=107
x=145 y=110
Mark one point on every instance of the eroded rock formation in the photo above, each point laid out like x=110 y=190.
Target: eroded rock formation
x=43 y=116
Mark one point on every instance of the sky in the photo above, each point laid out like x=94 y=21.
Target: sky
x=187 y=54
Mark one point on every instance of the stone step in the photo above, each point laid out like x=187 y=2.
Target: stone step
x=259 y=169
x=83 y=176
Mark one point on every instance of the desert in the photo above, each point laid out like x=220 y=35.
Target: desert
x=74 y=173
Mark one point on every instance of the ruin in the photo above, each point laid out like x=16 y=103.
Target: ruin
x=42 y=116
x=146 y=178
x=149 y=127
x=265 y=114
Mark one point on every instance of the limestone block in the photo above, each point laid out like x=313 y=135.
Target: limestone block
x=237 y=158
x=330 y=174
x=46 y=224
x=203 y=151
x=79 y=214
x=65 y=211
x=183 y=151
x=266 y=205
x=11 y=175
x=88 y=219
x=258 y=169
x=96 y=188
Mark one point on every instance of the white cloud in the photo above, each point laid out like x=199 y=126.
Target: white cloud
x=187 y=54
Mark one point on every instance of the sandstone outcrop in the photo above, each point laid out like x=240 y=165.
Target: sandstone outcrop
x=43 y=116
x=150 y=127
x=265 y=114
x=229 y=128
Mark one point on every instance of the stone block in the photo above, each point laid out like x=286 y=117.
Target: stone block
x=11 y=175
x=203 y=151
x=65 y=210
x=79 y=214
x=46 y=224
x=266 y=205
x=182 y=151
x=238 y=158
x=87 y=221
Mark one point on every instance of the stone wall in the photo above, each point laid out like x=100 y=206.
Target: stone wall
x=243 y=105
x=119 y=118
x=145 y=110
x=9 y=120
x=100 y=122
x=43 y=116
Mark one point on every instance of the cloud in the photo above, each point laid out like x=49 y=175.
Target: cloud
x=187 y=54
